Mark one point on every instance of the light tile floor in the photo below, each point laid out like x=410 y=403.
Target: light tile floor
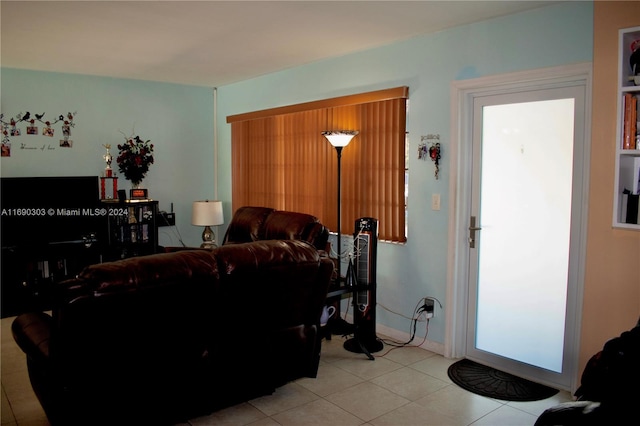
x=403 y=386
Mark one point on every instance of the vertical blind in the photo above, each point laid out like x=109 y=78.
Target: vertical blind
x=281 y=160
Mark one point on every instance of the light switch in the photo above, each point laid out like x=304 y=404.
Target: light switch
x=435 y=201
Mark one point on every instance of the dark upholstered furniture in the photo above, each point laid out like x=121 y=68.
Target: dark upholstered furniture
x=263 y=223
x=609 y=390
x=163 y=338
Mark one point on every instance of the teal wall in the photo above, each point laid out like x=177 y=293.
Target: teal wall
x=549 y=36
x=178 y=120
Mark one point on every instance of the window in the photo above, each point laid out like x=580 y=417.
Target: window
x=406 y=185
x=281 y=160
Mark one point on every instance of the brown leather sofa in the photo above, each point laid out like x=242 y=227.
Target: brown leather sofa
x=609 y=388
x=251 y=223
x=163 y=338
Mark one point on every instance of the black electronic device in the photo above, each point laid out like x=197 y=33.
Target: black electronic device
x=41 y=211
x=51 y=227
x=167 y=219
x=365 y=242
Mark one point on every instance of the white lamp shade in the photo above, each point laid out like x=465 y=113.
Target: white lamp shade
x=207 y=213
x=340 y=138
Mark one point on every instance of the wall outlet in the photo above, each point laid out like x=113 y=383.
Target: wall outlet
x=429 y=307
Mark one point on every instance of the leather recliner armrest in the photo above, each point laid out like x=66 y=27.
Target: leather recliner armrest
x=32 y=333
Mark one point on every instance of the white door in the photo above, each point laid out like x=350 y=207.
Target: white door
x=524 y=219
x=519 y=156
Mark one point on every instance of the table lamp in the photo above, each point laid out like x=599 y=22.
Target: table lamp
x=207 y=213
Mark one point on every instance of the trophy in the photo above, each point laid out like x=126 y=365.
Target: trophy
x=108 y=172
x=108 y=182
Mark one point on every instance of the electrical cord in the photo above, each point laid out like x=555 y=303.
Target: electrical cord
x=420 y=311
x=407 y=344
x=346 y=312
x=412 y=328
x=399 y=314
x=175 y=229
x=351 y=252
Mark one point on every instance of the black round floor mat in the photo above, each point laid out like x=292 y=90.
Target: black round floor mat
x=487 y=381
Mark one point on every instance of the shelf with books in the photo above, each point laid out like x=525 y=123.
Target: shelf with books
x=132 y=229
x=630 y=99
x=627 y=162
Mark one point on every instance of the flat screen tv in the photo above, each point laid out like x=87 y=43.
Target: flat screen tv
x=41 y=211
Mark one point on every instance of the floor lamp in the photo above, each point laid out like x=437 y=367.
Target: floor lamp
x=339 y=139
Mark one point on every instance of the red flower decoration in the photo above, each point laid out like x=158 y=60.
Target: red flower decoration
x=134 y=158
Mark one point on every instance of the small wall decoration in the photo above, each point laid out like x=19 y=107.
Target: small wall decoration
x=6 y=142
x=14 y=130
x=10 y=129
x=431 y=149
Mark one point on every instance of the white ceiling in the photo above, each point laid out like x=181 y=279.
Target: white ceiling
x=214 y=43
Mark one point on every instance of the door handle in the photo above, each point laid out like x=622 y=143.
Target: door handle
x=472 y=232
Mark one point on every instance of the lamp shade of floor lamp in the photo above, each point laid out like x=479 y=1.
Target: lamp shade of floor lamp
x=207 y=213
x=339 y=139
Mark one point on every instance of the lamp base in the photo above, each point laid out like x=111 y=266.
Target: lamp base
x=208 y=239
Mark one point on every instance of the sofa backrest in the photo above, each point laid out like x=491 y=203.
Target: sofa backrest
x=116 y=310
x=262 y=223
x=246 y=224
x=173 y=327
x=284 y=282
x=128 y=331
x=140 y=273
x=193 y=283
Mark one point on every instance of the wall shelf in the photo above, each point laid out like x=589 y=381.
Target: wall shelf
x=627 y=161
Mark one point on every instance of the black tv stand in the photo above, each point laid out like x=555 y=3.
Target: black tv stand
x=53 y=227
x=30 y=272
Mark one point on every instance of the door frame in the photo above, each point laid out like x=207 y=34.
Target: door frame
x=462 y=95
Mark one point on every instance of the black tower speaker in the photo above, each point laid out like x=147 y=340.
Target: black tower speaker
x=363 y=271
